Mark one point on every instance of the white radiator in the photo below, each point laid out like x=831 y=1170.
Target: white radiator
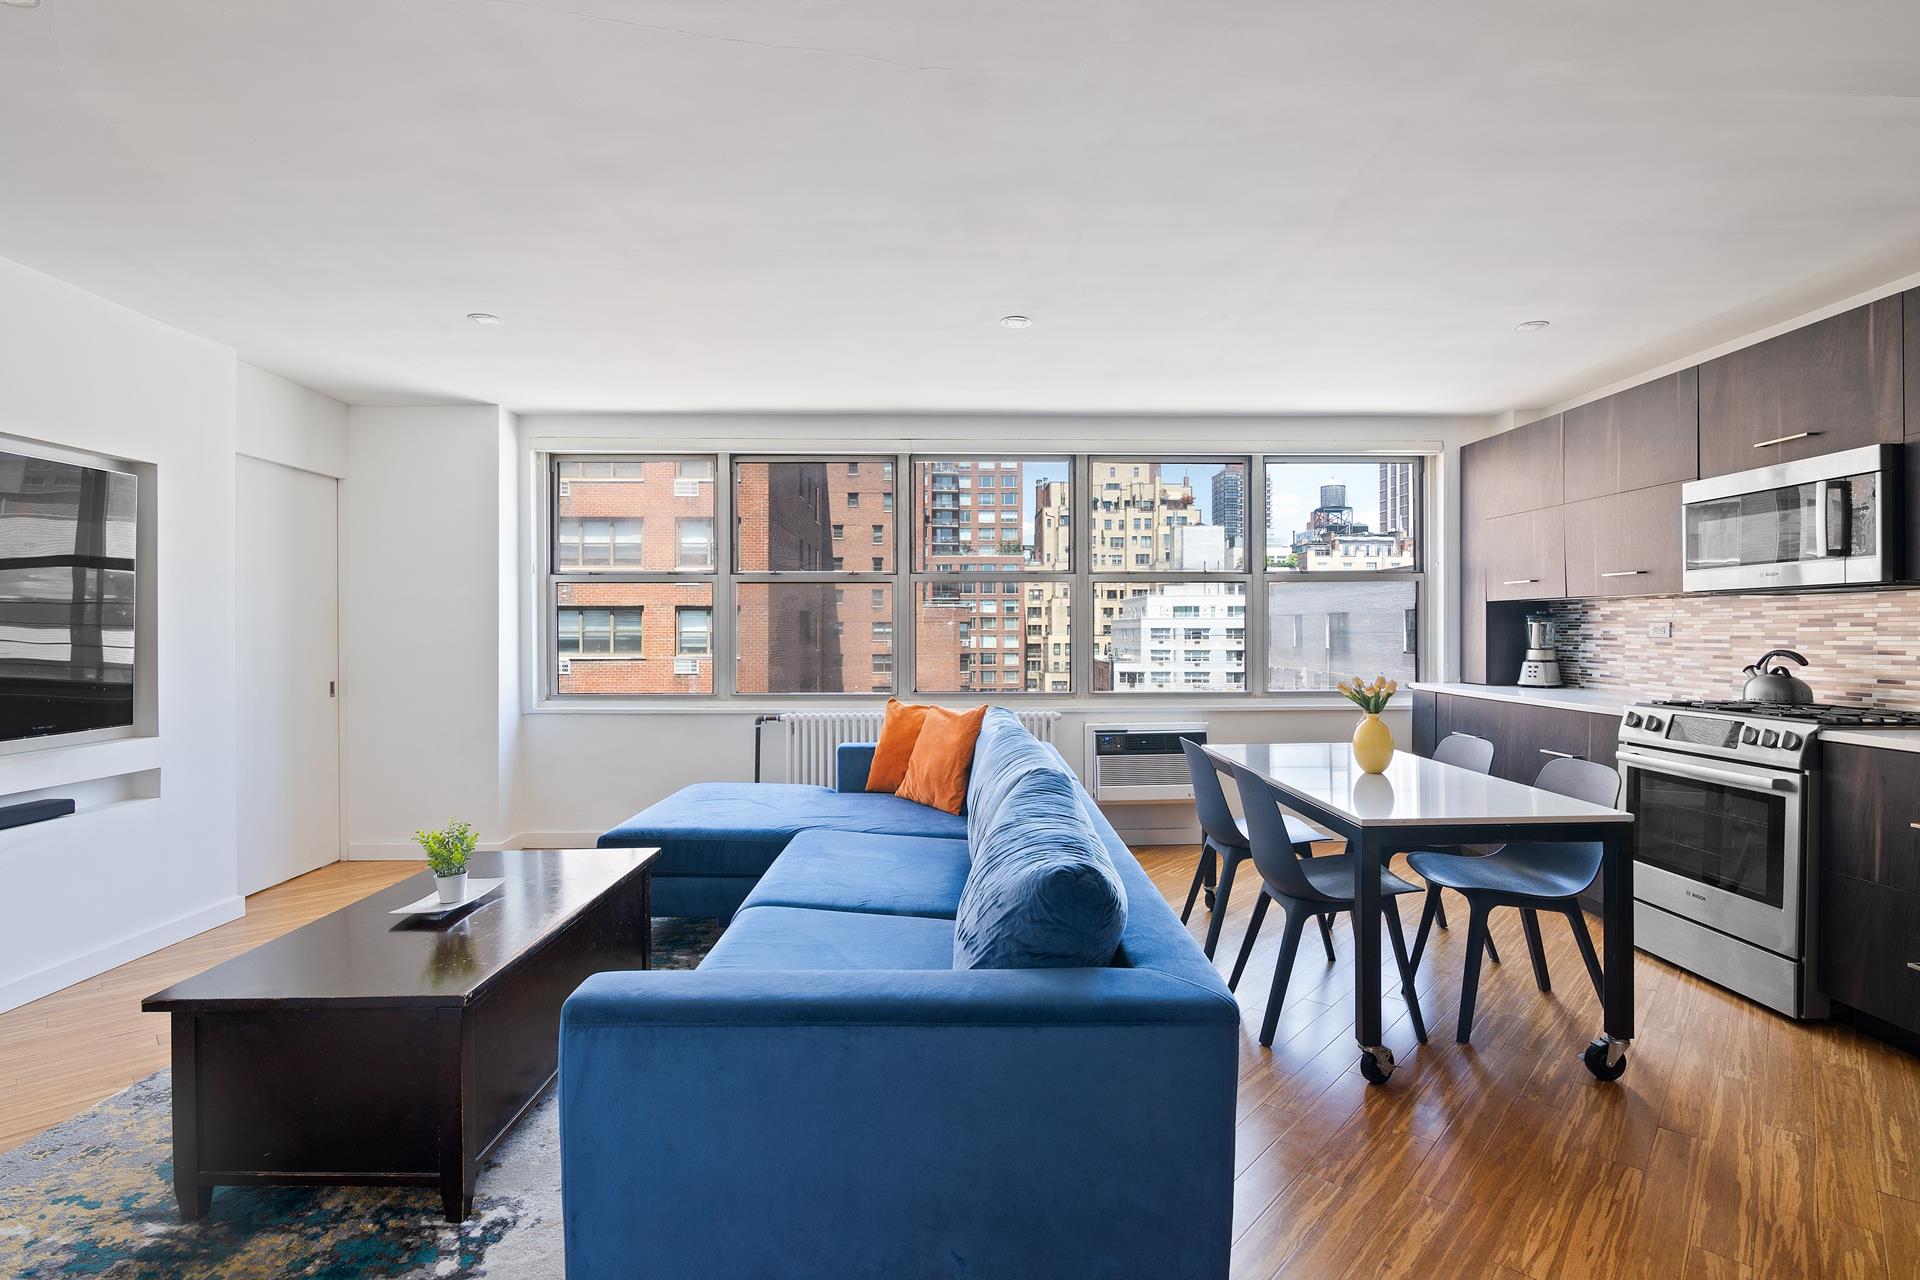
x=814 y=736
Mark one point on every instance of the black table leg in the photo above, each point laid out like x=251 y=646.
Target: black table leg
x=194 y=1199
x=1376 y=1061
x=1606 y=1057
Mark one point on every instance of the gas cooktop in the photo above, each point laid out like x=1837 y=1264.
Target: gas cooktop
x=1822 y=713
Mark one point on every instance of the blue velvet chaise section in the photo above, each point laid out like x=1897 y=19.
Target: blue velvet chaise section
x=828 y=1096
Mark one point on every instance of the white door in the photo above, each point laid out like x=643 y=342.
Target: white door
x=287 y=610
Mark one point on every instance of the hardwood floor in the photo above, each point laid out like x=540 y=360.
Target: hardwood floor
x=1738 y=1145
x=65 y=1052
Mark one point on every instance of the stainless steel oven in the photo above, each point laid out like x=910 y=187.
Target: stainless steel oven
x=1825 y=521
x=1725 y=847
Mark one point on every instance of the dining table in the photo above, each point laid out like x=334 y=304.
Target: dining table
x=1417 y=803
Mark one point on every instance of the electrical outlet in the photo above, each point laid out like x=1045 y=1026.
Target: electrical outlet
x=1660 y=630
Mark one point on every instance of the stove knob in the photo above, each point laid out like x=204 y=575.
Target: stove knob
x=1653 y=723
x=1791 y=741
x=1633 y=719
x=1751 y=736
x=1769 y=739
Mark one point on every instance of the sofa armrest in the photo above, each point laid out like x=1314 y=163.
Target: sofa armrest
x=851 y=763
x=955 y=1123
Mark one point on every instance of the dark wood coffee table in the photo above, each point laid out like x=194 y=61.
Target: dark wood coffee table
x=373 y=1048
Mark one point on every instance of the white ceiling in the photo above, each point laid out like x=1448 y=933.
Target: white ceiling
x=767 y=204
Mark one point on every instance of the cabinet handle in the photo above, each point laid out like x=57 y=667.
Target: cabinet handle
x=1798 y=435
x=1519 y=582
x=1914 y=965
x=1624 y=573
x=1562 y=755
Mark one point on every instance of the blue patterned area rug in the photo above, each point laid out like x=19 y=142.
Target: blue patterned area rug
x=94 y=1197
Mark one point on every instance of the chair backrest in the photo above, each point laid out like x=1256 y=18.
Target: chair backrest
x=1274 y=852
x=1464 y=751
x=1216 y=819
x=1581 y=780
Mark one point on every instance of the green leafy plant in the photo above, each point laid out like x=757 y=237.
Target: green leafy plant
x=448 y=848
x=1371 y=697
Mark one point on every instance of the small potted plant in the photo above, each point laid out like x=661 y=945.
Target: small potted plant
x=447 y=852
x=1372 y=740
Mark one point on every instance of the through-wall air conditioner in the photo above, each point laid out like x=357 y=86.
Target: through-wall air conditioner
x=1140 y=762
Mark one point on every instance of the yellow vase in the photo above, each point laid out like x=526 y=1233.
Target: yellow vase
x=1373 y=745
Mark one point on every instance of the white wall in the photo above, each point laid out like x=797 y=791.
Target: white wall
x=284 y=422
x=426 y=517
x=153 y=861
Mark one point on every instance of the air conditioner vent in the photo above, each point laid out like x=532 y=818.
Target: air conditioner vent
x=1140 y=762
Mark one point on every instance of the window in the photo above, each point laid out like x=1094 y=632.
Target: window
x=990 y=576
x=1344 y=515
x=693 y=631
x=599 y=544
x=696 y=542
x=608 y=576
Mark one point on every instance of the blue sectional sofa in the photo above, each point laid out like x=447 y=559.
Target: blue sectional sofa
x=828 y=1095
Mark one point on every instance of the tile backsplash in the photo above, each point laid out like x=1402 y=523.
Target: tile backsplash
x=1860 y=646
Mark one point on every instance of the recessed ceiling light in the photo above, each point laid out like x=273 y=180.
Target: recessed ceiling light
x=1016 y=322
x=481 y=317
x=1531 y=326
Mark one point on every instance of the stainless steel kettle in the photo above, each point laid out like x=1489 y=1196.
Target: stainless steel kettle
x=1776 y=684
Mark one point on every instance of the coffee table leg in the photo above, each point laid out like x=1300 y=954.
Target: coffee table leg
x=456 y=1196
x=194 y=1199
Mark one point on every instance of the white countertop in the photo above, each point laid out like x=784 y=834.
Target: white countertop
x=1413 y=792
x=1612 y=702
x=1890 y=739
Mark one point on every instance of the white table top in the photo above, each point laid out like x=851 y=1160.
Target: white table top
x=1414 y=791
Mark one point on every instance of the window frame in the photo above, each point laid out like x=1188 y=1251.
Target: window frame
x=846 y=577
x=1075 y=477
x=1084 y=583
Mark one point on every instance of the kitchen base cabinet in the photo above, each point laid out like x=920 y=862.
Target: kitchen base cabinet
x=1525 y=736
x=1869 y=803
x=1870 y=948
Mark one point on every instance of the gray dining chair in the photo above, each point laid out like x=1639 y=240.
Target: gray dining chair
x=1462 y=751
x=1306 y=887
x=1532 y=875
x=1223 y=846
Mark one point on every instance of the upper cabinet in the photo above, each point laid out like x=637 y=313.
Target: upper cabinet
x=1645 y=436
x=1912 y=300
x=1518 y=470
x=1833 y=385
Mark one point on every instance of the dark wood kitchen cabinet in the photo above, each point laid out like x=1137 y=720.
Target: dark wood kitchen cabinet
x=1524 y=735
x=1518 y=470
x=1524 y=555
x=1624 y=544
x=1870 y=881
x=1911 y=303
x=1869 y=805
x=1635 y=439
x=1831 y=385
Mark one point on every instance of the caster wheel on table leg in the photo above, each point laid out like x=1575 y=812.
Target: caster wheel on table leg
x=1606 y=1059
x=1376 y=1065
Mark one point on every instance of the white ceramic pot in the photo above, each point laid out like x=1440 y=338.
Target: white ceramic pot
x=452 y=888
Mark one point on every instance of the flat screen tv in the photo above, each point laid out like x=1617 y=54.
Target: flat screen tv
x=67 y=535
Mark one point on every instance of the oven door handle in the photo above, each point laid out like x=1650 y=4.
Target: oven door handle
x=1705 y=773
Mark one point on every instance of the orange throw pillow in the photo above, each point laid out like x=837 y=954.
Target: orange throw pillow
x=898 y=732
x=937 y=773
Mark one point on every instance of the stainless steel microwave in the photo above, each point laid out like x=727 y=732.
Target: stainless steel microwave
x=1817 y=522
